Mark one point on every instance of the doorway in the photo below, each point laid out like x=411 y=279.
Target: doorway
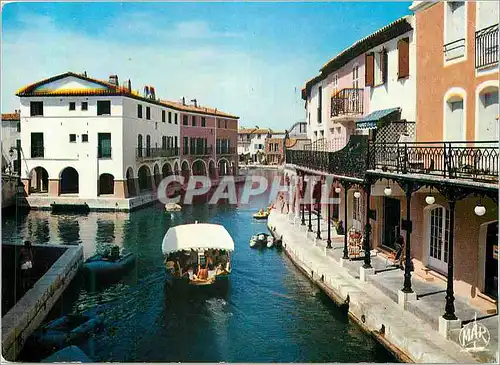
x=392 y=218
x=491 y=266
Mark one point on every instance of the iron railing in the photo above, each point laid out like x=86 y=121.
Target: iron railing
x=349 y=161
x=151 y=153
x=37 y=151
x=487 y=46
x=201 y=151
x=347 y=102
x=454 y=49
x=474 y=160
x=225 y=150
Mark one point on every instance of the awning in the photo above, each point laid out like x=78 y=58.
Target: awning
x=371 y=120
x=198 y=236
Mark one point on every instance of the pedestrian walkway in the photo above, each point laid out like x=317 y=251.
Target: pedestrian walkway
x=421 y=315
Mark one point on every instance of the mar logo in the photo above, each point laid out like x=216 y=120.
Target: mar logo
x=474 y=336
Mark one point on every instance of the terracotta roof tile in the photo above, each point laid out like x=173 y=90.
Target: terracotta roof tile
x=11 y=116
x=29 y=90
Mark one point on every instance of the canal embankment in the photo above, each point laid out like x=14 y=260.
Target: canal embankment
x=409 y=337
x=28 y=312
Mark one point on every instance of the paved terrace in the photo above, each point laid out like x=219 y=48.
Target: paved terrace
x=413 y=331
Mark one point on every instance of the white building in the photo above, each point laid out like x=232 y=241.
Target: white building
x=253 y=140
x=81 y=137
x=11 y=138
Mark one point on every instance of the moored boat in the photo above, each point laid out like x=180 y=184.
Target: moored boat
x=114 y=263
x=261 y=240
x=198 y=255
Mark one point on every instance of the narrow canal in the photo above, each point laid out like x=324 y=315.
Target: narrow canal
x=270 y=314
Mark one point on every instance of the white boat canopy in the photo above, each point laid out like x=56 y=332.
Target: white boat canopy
x=197 y=236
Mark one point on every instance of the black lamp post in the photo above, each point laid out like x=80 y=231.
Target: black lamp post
x=328 y=239
x=310 y=220
x=20 y=185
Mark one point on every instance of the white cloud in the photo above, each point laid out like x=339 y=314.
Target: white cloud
x=262 y=90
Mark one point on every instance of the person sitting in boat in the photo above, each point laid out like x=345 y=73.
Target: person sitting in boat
x=114 y=254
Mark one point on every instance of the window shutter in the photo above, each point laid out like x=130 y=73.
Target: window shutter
x=369 y=69
x=384 y=65
x=403 y=58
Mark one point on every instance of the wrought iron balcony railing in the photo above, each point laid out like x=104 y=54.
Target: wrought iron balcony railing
x=226 y=150
x=349 y=161
x=37 y=152
x=487 y=46
x=454 y=49
x=201 y=151
x=474 y=160
x=151 y=153
x=347 y=102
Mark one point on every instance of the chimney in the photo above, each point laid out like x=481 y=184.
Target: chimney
x=129 y=85
x=195 y=103
x=113 y=80
x=183 y=100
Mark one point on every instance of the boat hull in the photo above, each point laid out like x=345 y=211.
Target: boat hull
x=184 y=287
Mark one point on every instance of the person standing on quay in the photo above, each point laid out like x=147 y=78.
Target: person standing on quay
x=26 y=262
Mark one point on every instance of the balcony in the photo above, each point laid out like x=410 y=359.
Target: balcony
x=350 y=161
x=142 y=154
x=37 y=152
x=201 y=151
x=226 y=150
x=487 y=46
x=454 y=50
x=476 y=161
x=347 y=102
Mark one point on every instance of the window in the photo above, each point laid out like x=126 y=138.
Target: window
x=439 y=235
x=163 y=116
x=203 y=122
x=170 y=118
x=185 y=149
x=148 y=113
x=369 y=69
x=139 y=111
x=355 y=77
x=193 y=121
x=18 y=125
x=104 y=145
x=85 y=137
x=176 y=141
x=454 y=42
x=72 y=137
x=381 y=67
x=454 y=119
x=36 y=108
x=85 y=105
x=403 y=58
x=320 y=104
x=225 y=123
x=164 y=142
x=37 y=148
x=175 y=119
x=184 y=120
x=72 y=105
x=335 y=83
x=103 y=107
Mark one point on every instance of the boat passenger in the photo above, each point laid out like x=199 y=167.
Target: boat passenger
x=114 y=254
x=26 y=263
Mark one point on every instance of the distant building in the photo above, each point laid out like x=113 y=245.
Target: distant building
x=252 y=141
x=11 y=137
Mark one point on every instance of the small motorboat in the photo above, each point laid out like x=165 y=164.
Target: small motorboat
x=68 y=354
x=172 y=207
x=66 y=330
x=110 y=264
x=206 y=246
x=262 y=214
x=261 y=240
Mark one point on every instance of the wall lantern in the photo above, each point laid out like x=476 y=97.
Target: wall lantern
x=357 y=194
x=338 y=190
x=480 y=210
x=430 y=199
x=388 y=191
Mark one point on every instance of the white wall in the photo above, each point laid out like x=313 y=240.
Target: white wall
x=312 y=107
x=58 y=123
x=396 y=93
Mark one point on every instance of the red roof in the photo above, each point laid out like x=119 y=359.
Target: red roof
x=11 y=116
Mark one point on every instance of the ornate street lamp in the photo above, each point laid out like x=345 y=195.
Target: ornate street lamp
x=479 y=209
x=429 y=199
x=357 y=194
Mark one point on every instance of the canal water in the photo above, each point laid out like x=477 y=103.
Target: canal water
x=271 y=312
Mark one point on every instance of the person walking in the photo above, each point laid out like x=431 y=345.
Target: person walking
x=26 y=263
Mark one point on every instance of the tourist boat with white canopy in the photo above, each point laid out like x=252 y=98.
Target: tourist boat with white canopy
x=198 y=254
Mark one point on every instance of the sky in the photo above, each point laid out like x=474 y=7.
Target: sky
x=245 y=58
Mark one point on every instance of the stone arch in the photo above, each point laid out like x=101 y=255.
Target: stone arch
x=69 y=181
x=144 y=177
x=185 y=170
x=106 y=184
x=223 y=166
x=131 y=182
x=176 y=167
x=199 y=168
x=166 y=170
x=212 y=171
x=39 y=180
x=157 y=175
